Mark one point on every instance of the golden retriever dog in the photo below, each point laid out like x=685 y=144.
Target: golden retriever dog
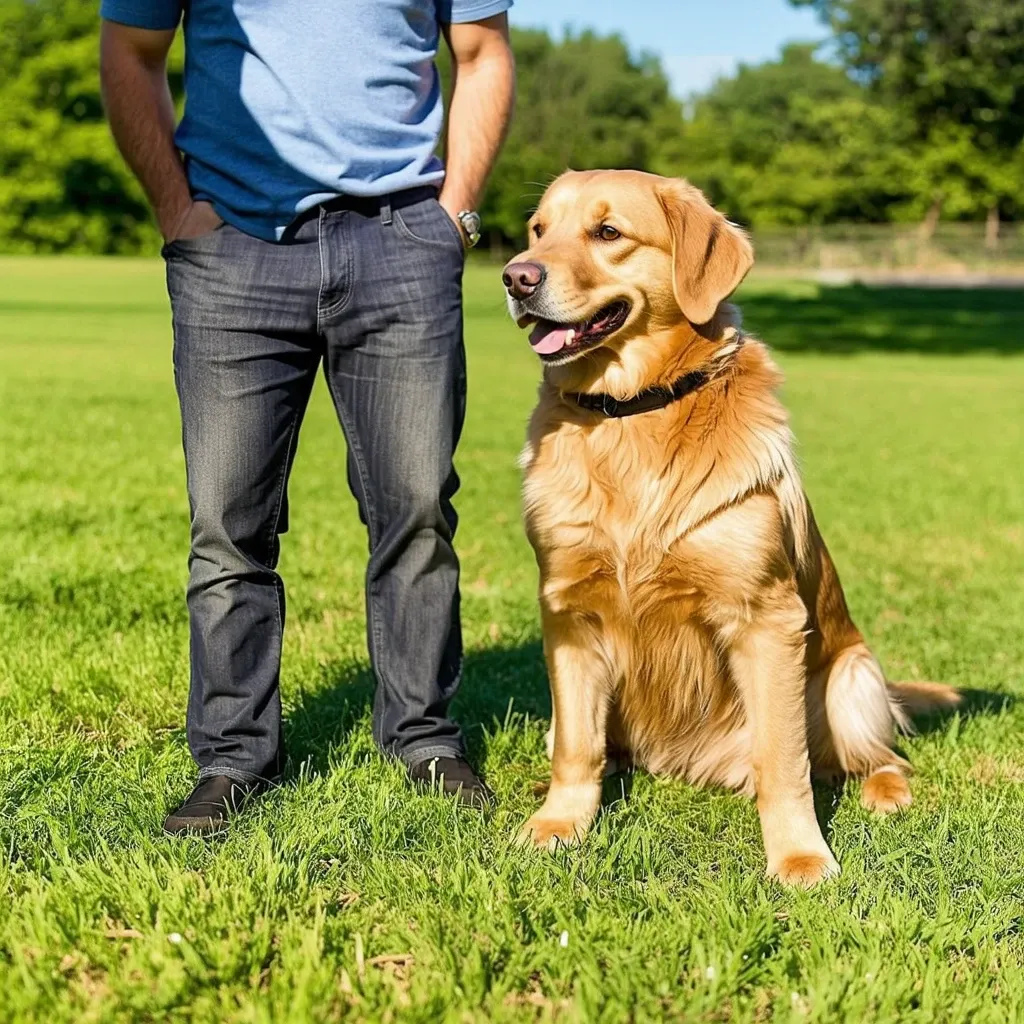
x=693 y=620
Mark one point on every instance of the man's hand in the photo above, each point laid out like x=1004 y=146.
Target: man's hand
x=483 y=71
x=133 y=74
x=199 y=218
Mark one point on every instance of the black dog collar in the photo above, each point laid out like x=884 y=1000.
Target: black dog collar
x=645 y=401
x=658 y=398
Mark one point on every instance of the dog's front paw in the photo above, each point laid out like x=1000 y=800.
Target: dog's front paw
x=548 y=833
x=804 y=869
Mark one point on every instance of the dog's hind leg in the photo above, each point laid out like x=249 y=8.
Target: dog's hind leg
x=861 y=722
x=886 y=790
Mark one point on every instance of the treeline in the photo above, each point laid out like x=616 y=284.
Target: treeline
x=917 y=114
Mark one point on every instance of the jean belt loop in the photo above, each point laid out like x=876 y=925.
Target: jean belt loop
x=385 y=210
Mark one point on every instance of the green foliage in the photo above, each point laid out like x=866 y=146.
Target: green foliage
x=792 y=141
x=63 y=185
x=955 y=70
x=27 y=29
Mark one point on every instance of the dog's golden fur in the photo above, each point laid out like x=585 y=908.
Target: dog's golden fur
x=693 y=620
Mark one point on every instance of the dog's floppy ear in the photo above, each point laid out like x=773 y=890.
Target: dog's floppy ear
x=710 y=256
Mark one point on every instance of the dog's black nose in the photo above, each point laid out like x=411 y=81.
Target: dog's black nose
x=523 y=279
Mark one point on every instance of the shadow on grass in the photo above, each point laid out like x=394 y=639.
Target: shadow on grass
x=973 y=704
x=494 y=680
x=497 y=680
x=928 y=321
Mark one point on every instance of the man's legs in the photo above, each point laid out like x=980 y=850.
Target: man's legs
x=395 y=365
x=245 y=359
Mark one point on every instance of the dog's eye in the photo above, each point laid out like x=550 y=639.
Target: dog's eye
x=607 y=233
x=538 y=230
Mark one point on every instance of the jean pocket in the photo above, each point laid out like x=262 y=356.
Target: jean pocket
x=196 y=243
x=428 y=223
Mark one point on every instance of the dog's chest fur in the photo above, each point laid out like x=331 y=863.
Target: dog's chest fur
x=626 y=513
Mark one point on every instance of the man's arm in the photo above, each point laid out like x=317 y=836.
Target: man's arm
x=483 y=75
x=133 y=76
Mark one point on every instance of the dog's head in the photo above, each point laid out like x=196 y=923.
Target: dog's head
x=616 y=255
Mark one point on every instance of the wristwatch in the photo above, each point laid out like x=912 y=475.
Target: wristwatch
x=469 y=221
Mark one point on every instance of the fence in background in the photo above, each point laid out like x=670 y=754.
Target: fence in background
x=950 y=249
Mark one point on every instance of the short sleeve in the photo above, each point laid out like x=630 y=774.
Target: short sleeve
x=152 y=14
x=458 y=12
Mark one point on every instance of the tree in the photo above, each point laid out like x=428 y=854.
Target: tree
x=792 y=141
x=955 y=68
x=63 y=186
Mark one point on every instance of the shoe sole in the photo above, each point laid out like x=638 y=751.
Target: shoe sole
x=474 y=798
x=204 y=828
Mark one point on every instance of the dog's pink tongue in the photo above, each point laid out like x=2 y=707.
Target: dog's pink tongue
x=547 y=338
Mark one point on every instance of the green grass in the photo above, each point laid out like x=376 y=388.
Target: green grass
x=910 y=411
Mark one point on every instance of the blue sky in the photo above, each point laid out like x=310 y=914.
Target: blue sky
x=697 y=40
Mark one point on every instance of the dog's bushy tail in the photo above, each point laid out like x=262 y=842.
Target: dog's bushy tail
x=864 y=711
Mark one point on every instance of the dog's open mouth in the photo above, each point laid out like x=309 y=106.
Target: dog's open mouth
x=556 y=342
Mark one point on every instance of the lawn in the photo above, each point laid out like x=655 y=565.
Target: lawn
x=343 y=896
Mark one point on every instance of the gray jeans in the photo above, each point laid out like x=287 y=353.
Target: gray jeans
x=373 y=289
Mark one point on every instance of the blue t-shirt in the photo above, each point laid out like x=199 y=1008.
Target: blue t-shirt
x=289 y=103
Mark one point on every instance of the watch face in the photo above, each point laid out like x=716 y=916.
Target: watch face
x=471 y=222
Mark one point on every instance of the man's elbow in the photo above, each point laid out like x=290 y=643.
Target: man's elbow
x=481 y=44
x=494 y=58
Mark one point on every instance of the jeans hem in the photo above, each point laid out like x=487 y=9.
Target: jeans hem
x=235 y=773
